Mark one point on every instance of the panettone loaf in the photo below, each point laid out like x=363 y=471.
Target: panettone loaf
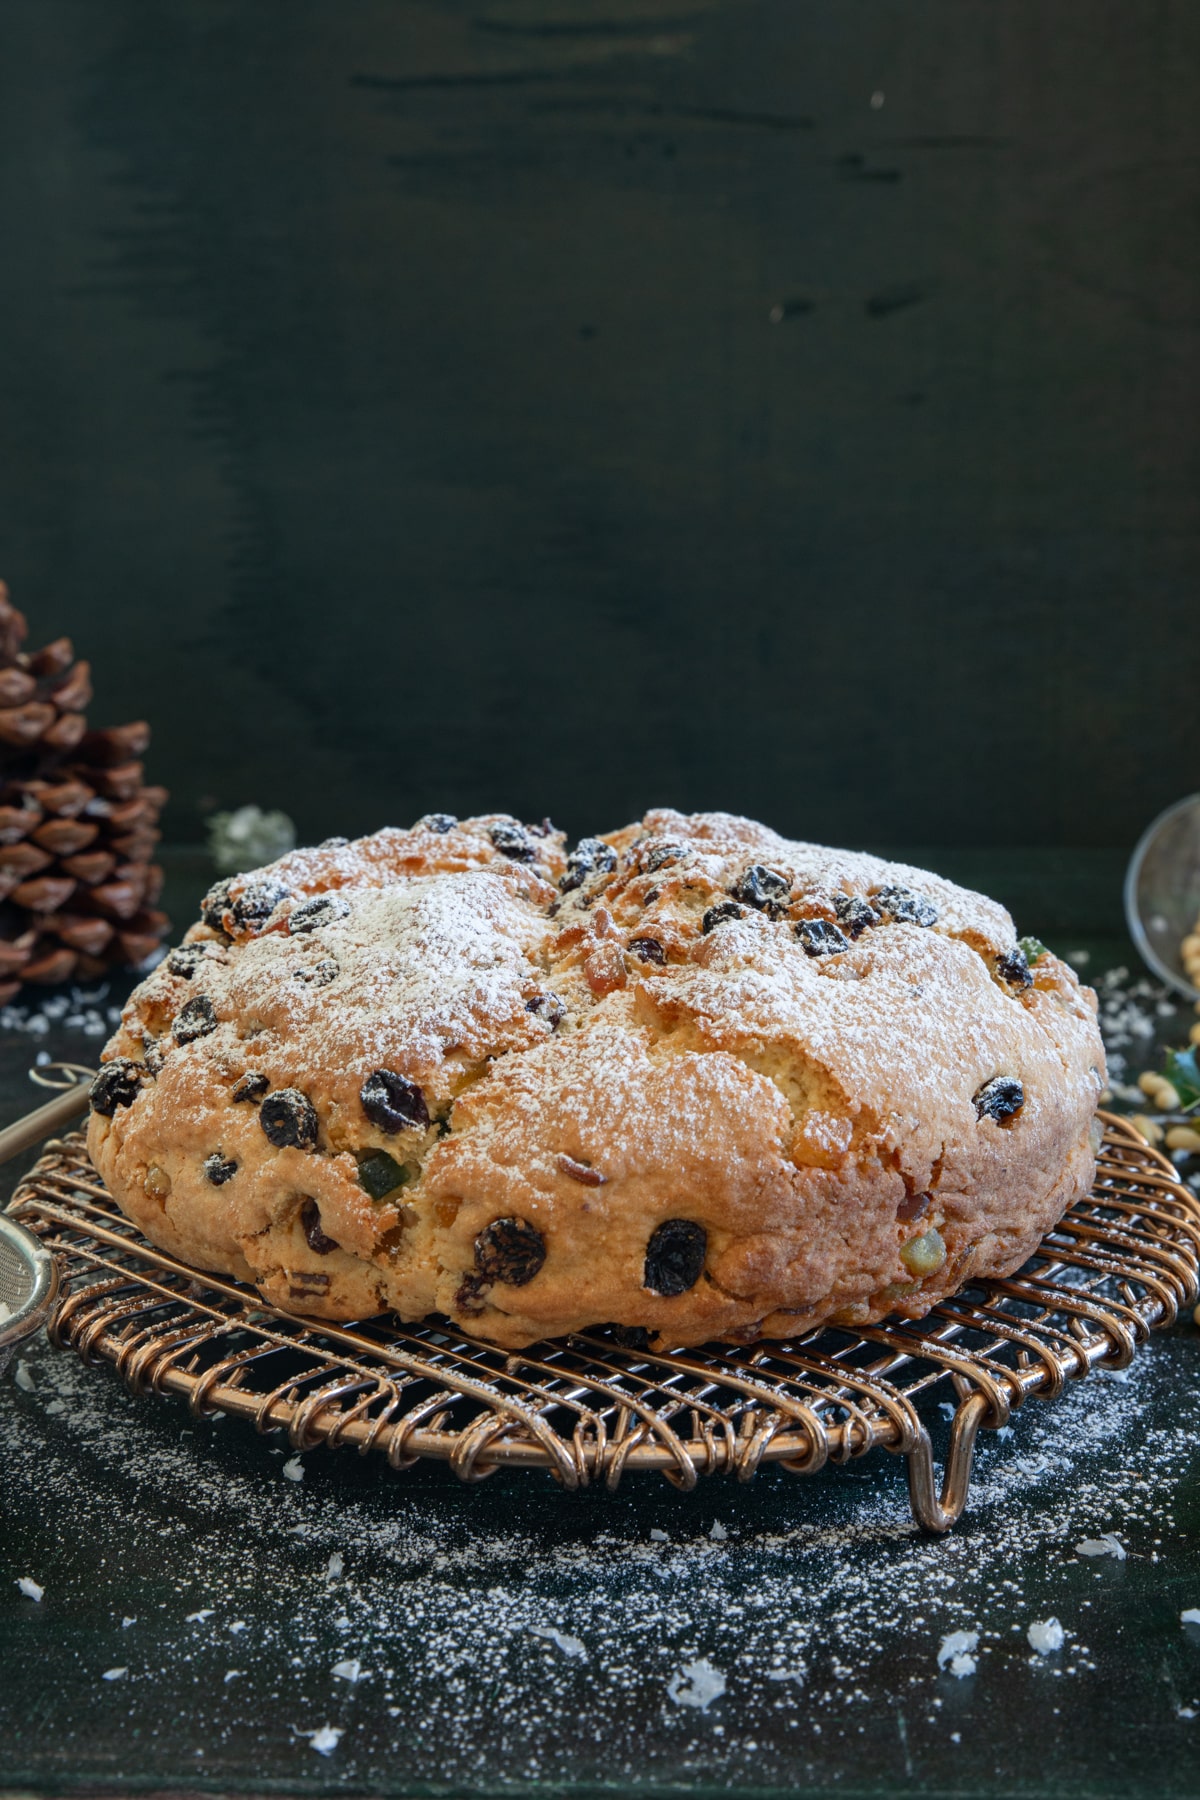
x=692 y=1080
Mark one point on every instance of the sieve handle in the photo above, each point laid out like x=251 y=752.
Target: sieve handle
x=45 y=1120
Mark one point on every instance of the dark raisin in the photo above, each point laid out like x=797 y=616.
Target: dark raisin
x=219 y=1168
x=647 y=950
x=469 y=1298
x=116 y=1085
x=321 y=973
x=322 y=909
x=439 y=822
x=1013 y=967
x=675 y=1256
x=904 y=907
x=252 y=1086
x=718 y=914
x=820 y=938
x=213 y=905
x=1000 y=1099
x=544 y=830
x=913 y=1206
x=548 y=1007
x=195 y=1020
x=185 y=960
x=591 y=856
x=303 y=1284
x=514 y=842
x=380 y=1174
x=763 y=887
x=509 y=1250
x=289 y=1120
x=631 y=1337
x=666 y=850
x=333 y=843
x=393 y=1102
x=855 y=914
x=156 y=1055
x=310 y=1222
x=258 y=900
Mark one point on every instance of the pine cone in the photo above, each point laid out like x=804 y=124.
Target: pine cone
x=77 y=827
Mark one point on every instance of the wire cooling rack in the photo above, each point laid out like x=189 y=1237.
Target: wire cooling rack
x=1120 y=1264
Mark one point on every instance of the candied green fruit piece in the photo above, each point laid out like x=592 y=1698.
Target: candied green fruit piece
x=1032 y=948
x=924 y=1255
x=1183 y=1073
x=380 y=1174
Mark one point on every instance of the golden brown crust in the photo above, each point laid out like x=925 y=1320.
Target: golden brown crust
x=775 y=1056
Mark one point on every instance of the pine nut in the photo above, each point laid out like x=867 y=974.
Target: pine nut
x=1148 y=1129
x=1183 y=1137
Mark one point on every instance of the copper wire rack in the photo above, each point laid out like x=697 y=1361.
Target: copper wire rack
x=1122 y=1263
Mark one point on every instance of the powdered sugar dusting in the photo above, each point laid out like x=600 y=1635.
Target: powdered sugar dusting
x=425 y=966
x=735 y=841
x=821 y=1615
x=378 y=859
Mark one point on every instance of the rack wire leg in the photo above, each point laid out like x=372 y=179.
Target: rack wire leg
x=940 y=1513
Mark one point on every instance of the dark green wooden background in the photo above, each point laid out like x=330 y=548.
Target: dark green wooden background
x=570 y=407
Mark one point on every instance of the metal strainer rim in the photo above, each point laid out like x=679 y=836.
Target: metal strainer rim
x=1133 y=917
x=43 y=1269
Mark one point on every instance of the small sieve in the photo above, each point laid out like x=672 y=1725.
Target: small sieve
x=1162 y=891
x=28 y=1272
x=28 y=1285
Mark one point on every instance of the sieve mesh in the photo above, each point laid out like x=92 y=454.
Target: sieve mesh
x=16 y=1277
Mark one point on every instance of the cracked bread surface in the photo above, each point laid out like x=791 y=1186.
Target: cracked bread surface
x=695 y=1080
